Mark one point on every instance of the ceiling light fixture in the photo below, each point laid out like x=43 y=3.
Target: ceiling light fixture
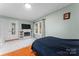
x=28 y=5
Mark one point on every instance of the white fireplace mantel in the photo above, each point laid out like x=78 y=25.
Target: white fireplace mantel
x=25 y=30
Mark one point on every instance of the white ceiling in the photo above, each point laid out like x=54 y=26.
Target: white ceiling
x=18 y=10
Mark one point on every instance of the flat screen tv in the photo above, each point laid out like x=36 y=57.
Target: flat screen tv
x=26 y=26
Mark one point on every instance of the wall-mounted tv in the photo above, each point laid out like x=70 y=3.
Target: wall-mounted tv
x=26 y=26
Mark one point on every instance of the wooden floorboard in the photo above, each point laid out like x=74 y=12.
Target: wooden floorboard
x=27 y=51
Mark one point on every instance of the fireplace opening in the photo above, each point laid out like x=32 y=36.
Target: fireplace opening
x=26 y=33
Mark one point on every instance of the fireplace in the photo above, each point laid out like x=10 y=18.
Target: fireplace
x=27 y=33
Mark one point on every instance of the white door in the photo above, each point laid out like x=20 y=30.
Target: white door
x=13 y=30
x=39 y=29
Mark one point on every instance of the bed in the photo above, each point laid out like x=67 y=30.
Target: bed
x=53 y=46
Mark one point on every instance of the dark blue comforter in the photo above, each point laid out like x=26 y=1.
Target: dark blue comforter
x=52 y=46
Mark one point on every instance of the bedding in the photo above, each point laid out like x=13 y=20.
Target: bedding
x=53 y=46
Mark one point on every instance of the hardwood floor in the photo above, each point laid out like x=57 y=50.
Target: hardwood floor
x=27 y=51
x=16 y=45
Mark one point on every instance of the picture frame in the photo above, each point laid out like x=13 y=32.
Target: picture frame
x=67 y=16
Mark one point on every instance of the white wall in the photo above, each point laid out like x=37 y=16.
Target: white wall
x=56 y=26
x=4 y=26
x=1 y=33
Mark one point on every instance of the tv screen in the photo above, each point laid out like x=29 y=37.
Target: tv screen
x=26 y=26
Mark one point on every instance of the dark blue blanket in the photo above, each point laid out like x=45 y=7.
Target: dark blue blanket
x=52 y=46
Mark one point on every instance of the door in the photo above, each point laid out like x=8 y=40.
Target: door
x=39 y=29
x=13 y=30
